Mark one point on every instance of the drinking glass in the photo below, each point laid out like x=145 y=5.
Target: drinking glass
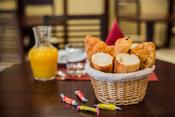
x=75 y=56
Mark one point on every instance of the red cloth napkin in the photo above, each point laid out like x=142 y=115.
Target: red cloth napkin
x=114 y=34
x=153 y=77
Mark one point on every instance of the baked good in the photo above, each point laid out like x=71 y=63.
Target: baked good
x=109 y=50
x=127 y=56
x=125 y=63
x=102 y=62
x=122 y=45
x=146 y=52
x=89 y=42
x=94 y=45
x=98 y=47
x=134 y=45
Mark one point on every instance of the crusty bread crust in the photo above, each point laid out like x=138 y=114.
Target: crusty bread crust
x=107 y=69
x=122 y=67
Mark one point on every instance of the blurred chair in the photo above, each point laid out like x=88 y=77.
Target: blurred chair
x=28 y=21
x=39 y=3
x=170 y=23
x=11 y=45
x=58 y=29
x=76 y=27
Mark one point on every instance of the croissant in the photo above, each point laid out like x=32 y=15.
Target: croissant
x=90 y=42
x=98 y=47
x=146 y=52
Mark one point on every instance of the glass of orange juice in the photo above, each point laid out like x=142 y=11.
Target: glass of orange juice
x=43 y=56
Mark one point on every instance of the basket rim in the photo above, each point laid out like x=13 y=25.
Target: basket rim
x=118 y=77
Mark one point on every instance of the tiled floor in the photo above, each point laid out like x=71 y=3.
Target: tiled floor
x=167 y=55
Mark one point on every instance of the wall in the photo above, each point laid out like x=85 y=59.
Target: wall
x=95 y=6
x=156 y=7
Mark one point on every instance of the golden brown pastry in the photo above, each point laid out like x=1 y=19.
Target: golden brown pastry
x=98 y=47
x=90 y=42
x=109 y=50
x=126 y=63
x=146 y=52
x=133 y=45
x=102 y=62
x=122 y=45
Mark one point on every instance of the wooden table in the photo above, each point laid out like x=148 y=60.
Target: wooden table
x=21 y=96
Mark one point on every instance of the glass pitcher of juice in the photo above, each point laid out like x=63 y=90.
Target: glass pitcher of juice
x=43 y=56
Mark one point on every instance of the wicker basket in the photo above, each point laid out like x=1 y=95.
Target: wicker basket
x=119 y=89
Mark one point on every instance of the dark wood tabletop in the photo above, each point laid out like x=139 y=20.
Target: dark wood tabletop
x=21 y=96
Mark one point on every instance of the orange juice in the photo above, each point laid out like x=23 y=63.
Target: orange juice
x=43 y=62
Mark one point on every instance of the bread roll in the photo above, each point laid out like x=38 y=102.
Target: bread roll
x=125 y=63
x=122 y=45
x=146 y=52
x=102 y=62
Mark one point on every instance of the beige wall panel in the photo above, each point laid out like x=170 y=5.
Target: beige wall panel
x=45 y=9
x=85 y=6
x=160 y=33
x=59 y=7
x=111 y=13
x=8 y=5
x=154 y=7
